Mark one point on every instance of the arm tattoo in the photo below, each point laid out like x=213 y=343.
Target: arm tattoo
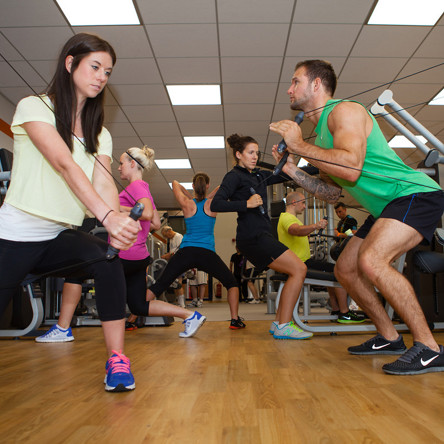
x=319 y=188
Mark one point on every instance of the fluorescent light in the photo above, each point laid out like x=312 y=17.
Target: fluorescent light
x=204 y=142
x=438 y=99
x=173 y=164
x=194 y=94
x=407 y=12
x=403 y=142
x=186 y=185
x=302 y=162
x=99 y=12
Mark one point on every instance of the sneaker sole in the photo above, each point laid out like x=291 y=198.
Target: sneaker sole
x=343 y=321
x=47 y=341
x=414 y=372
x=120 y=388
x=289 y=337
x=379 y=352
x=236 y=328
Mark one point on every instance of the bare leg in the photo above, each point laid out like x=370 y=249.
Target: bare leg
x=372 y=258
x=194 y=292
x=201 y=292
x=290 y=264
x=341 y=297
x=114 y=333
x=233 y=301
x=70 y=298
x=161 y=308
x=253 y=290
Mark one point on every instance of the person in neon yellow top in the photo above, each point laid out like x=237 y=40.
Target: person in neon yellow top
x=405 y=206
x=294 y=234
x=62 y=166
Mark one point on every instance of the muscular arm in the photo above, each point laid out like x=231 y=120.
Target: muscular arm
x=350 y=126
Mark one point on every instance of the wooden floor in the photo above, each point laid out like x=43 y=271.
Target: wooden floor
x=221 y=386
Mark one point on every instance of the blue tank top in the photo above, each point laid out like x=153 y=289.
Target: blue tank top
x=200 y=229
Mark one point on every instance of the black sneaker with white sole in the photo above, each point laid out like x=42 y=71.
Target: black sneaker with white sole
x=417 y=360
x=378 y=345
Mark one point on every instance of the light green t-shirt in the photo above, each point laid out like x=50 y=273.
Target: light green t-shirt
x=36 y=187
x=384 y=176
x=298 y=244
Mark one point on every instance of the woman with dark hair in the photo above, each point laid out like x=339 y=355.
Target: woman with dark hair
x=197 y=249
x=244 y=190
x=62 y=166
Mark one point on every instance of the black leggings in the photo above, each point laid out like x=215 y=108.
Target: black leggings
x=135 y=276
x=71 y=249
x=194 y=257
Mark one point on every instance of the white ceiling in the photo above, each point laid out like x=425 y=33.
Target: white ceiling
x=250 y=47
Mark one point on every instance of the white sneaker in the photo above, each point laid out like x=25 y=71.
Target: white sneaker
x=181 y=301
x=56 y=334
x=273 y=327
x=192 y=324
x=290 y=331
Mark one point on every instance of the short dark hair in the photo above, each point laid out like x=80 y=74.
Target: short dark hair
x=340 y=205
x=322 y=69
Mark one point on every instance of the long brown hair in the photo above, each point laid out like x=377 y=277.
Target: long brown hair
x=61 y=91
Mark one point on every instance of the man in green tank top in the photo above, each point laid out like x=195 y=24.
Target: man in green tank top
x=405 y=207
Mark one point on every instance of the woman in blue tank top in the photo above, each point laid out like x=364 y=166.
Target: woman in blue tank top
x=197 y=247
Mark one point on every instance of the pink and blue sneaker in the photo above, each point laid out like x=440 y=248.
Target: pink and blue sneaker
x=118 y=374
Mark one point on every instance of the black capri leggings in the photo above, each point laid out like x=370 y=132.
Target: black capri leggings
x=135 y=276
x=71 y=249
x=194 y=257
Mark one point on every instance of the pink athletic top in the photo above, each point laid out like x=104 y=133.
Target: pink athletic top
x=138 y=189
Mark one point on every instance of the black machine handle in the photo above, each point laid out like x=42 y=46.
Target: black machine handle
x=283 y=147
x=321 y=230
x=261 y=208
x=135 y=214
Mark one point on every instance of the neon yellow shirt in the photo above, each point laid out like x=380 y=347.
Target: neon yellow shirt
x=298 y=244
x=36 y=187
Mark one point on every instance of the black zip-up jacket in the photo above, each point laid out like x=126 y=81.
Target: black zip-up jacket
x=234 y=192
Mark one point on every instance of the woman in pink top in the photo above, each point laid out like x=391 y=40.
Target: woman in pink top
x=135 y=260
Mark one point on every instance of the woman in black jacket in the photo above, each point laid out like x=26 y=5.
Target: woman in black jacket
x=244 y=190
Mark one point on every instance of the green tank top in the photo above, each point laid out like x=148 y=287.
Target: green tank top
x=372 y=190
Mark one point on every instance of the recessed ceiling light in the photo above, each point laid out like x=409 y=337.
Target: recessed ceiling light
x=407 y=12
x=204 y=142
x=173 y=164
x=438 y=99
x=194 y=94
x=403 y=142
x=186 y=185
x=99 y=12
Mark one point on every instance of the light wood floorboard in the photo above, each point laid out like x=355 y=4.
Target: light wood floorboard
x=221 y=386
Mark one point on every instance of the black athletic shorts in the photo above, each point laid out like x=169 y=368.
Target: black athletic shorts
x=262 y=250
x=421 y=211
x=314 y=264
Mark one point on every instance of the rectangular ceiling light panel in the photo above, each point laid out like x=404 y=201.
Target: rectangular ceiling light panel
x=407 y=12
x=194 y=94
x=204 y=142
x=99 y=12
x=173 y=164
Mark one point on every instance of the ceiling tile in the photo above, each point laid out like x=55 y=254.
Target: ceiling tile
x=251 y=40
x=38 y=43
x=30 y=13
x=250 y=69
x=252 y=11
x=140 y=94
x=197 y=128
x=249 y=93
x=183 y=40
x=193 y=70
x=338 y=11
x=149 y=113
x=172 y=11
x=139 y=71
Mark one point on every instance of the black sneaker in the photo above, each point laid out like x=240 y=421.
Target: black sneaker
x=334 y=313
x=350 y=318
x=417 y=360
x=236 y=324
x=379 y=346
x=130 y=326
